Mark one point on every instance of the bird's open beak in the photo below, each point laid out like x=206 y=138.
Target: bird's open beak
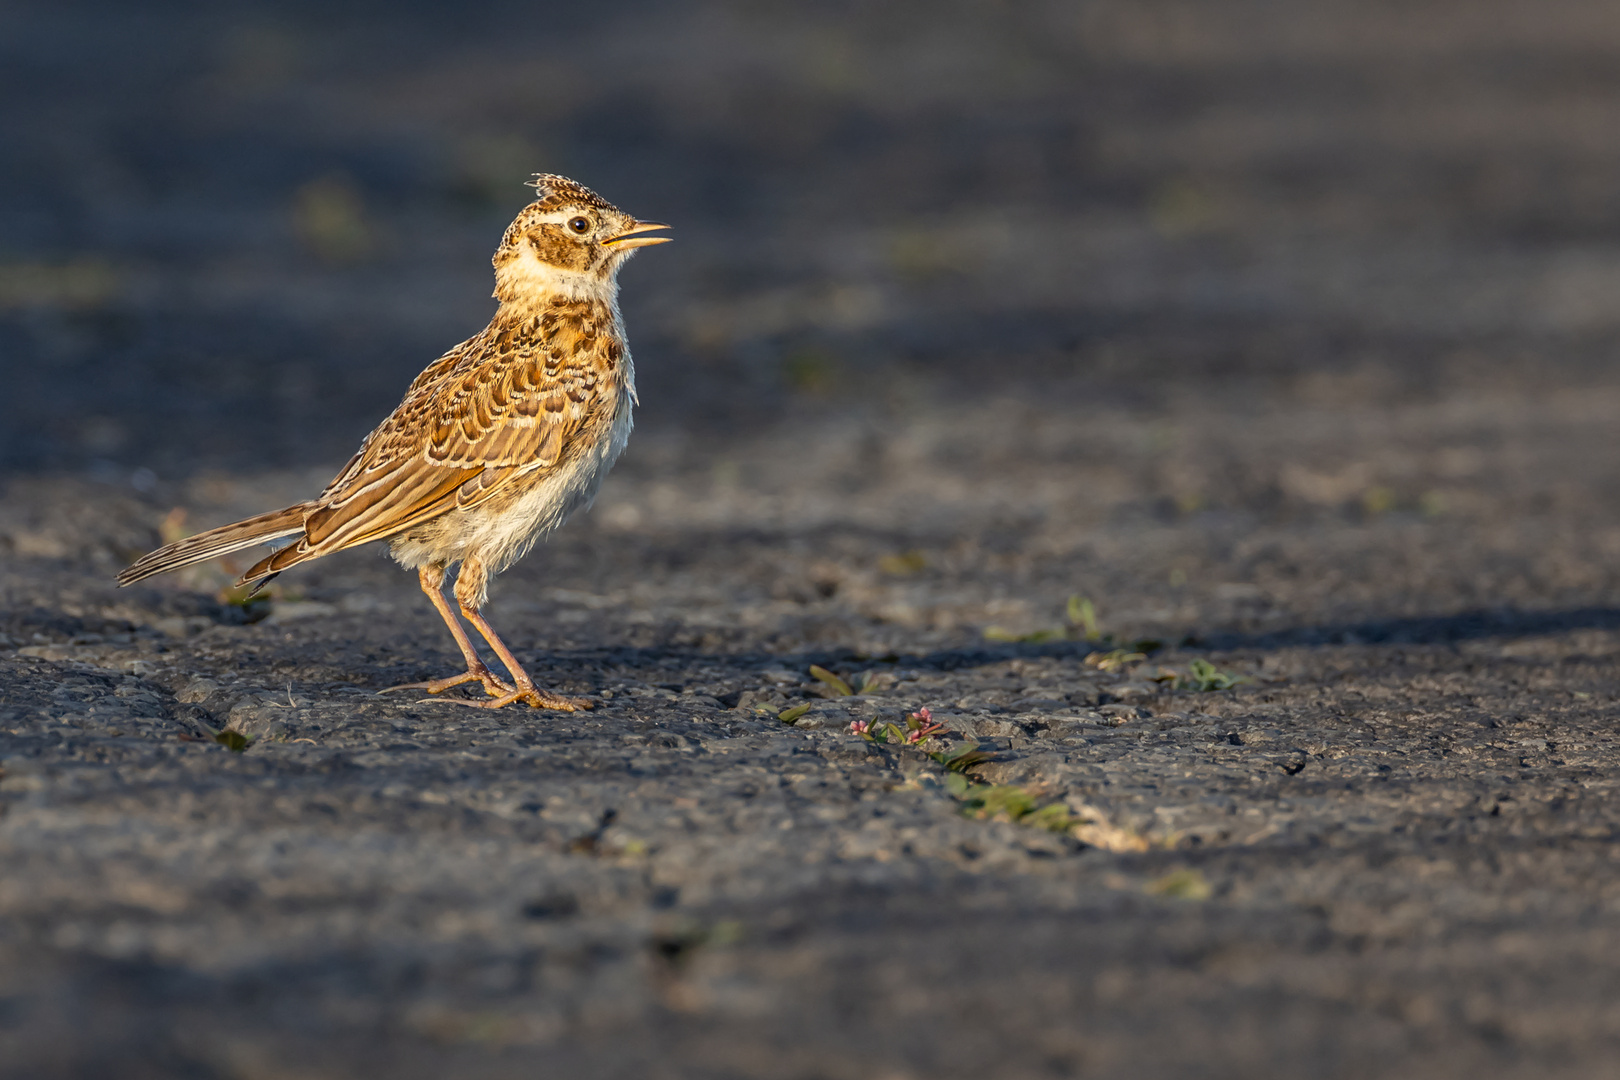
x=630 y=239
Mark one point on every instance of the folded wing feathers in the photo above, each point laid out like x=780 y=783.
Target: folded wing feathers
x=413 y=493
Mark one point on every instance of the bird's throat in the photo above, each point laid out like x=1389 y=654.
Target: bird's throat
x=527 y=282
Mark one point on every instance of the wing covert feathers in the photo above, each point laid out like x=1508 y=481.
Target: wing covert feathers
x=503 y=405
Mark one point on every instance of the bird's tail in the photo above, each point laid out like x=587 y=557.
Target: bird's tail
x=220 y=541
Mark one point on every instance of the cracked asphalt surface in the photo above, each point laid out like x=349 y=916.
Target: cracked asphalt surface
x=1286 y=342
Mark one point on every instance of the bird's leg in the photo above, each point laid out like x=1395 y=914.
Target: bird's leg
x=471 y=585
x=523 y=687
x=432 y=581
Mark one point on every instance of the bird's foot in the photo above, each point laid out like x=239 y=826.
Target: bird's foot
x=494 y=687
x=530 y=695
x=546 y=699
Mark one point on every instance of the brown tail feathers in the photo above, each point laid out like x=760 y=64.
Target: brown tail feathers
x=220 y=541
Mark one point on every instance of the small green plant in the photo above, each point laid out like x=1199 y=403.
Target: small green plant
x=1011 y=802
x=1201 y=676
x=788 y=716
x=1025 y=807
x=1082 y=616
x=1000 y=802
x=1080 y=624
x=904 y=563
x=920 y=725
x=839 y=686
x=1377 y=501
x=961 y=759
x=1034 y=637
x=1181 y=885
x=1114 y=660
x=1204 y=677
x=234 y=741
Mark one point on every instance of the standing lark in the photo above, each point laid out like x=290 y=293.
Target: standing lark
x=496 y=444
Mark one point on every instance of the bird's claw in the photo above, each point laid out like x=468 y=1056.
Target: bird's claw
x=535 y=698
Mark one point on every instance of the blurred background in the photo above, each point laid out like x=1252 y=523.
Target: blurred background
x=230 y=233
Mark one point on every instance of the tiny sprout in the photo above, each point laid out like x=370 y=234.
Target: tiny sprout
x=1205 y=676
x=903 y=564
x=962 y=758
x=1377 y=500
x=1082 y=615
x=1181 y=885
x=1080 y=621
x=234 y=741
x=1114 y=660
x=1035 y=637
x=842 y=688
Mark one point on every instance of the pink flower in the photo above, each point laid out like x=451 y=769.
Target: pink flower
x=860 y=727
x=922 y=726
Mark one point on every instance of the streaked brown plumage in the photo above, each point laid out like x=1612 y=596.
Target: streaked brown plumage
x=493 y=446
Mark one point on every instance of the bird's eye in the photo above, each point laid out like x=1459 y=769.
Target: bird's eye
x=580 y=225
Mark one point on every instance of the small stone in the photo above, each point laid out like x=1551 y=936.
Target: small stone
x=196 y=690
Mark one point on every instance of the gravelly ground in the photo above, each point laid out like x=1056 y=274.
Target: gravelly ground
x=1285 y=341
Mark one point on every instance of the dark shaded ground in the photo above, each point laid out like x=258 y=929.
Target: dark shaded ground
x=1284 y=333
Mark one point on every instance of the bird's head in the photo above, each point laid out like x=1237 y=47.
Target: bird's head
x=570 y=240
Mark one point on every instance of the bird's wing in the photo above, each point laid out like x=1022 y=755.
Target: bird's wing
x=507 y=403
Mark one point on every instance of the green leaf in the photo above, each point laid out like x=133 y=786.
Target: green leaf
x=1205 y=676
x=963 y=758
x=956 y=784
x=1003 y=800
x=822 y=674
x=1054 y=818
x=234 y=741
x=1181 y=885
x=788 y=716
x=1083 y=616
x=1114 y=660
x=906 y=562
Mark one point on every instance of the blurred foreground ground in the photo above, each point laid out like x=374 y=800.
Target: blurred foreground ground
x=1284 y=334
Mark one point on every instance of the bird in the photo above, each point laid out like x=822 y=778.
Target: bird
x=496 y=444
